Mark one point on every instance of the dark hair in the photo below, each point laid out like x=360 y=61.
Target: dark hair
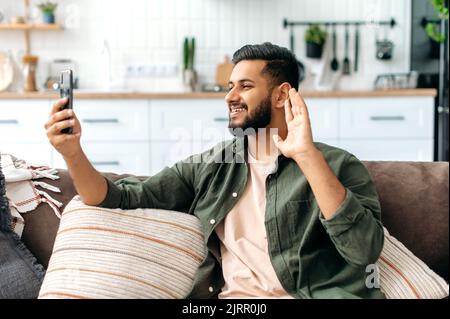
x=281 y=63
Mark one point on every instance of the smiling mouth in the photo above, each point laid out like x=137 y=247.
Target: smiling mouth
x=237 y=110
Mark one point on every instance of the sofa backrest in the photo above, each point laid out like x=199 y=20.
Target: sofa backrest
x=414 y=201
x=413 y=195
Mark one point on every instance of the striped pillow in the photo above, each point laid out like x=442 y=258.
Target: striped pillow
x=113 y=253
x=404 y=276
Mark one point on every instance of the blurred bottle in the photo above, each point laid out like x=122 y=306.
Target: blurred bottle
x=29 y=73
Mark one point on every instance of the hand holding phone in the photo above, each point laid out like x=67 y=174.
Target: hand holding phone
x=66 y=90
x=63 y=128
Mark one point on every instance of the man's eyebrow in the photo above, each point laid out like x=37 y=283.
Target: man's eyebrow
x=242 y=80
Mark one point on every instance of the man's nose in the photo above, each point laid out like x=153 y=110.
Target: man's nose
x=232 y=96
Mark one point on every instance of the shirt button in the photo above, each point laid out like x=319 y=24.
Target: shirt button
x=234 y=194
x=212 y=221
x=211 y=289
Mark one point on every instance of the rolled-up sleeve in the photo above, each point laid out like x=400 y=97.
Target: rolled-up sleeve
x=355 y=228
x=172 y=188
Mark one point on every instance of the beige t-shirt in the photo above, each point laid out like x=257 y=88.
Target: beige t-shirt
x=246 y=265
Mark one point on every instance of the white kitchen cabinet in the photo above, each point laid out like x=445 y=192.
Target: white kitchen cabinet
x=198 y=119
x=387 y=128
x=324 y=115
x=116 y=157
x=23 y=120
x=390 y=149
x=390 y=117
x=115 y=135
x=140 y=136
x=180 y=128
x=113 y=120
x=22 y=131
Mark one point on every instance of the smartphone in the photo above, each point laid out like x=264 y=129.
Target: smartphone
x=66 y=90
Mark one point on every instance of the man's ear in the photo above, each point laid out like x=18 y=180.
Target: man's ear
x=282 y=93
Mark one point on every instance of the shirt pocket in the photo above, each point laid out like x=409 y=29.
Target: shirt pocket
x=296 y=219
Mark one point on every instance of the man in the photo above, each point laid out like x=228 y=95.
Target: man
x=283 y=216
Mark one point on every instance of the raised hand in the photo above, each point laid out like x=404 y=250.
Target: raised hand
x=66 y=144
x=299 y=140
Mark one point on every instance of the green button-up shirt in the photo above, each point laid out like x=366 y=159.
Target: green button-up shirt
x=312 y=257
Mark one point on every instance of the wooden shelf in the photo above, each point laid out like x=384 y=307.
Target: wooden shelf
x=26 y=27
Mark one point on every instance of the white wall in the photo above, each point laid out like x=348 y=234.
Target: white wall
x=150 y=32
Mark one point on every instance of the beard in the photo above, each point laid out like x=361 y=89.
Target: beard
x=259 y=118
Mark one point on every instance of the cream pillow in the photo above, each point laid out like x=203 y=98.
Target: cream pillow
x=404 y=276
x=113 y=253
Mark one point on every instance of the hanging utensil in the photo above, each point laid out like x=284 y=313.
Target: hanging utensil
x=384 y=47
x=356 y=47
x=346 y=62
x=334 y=62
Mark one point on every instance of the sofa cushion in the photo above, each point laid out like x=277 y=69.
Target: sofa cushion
x=414 y=207
x=114 y=253
x=41 y=225
x=404 y=276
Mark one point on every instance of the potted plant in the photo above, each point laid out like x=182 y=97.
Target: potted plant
x=189 y=72
x=432 y=28
x=48 y=11
x=315 y=38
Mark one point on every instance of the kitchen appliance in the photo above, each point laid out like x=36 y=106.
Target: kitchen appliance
x=433 y=73
x=55 y=69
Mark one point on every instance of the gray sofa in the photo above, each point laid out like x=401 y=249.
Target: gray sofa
x=414 y=198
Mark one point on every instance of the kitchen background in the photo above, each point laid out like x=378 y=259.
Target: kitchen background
x=139 y=113
x=150 y=33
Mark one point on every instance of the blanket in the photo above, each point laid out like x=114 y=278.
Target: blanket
x=23 y=190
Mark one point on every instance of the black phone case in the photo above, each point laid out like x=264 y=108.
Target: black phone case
x=67 y=91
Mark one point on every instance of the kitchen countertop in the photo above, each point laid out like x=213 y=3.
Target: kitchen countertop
x=84 y=94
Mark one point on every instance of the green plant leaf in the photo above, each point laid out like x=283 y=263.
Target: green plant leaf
x=192 y=54
x=186 y=53
x=47 y=7
x=315 y=34
x=432 y=31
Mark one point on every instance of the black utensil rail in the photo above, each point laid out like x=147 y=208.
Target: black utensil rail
x=291 y=24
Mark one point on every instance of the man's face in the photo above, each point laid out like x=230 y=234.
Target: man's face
x=249 y=99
